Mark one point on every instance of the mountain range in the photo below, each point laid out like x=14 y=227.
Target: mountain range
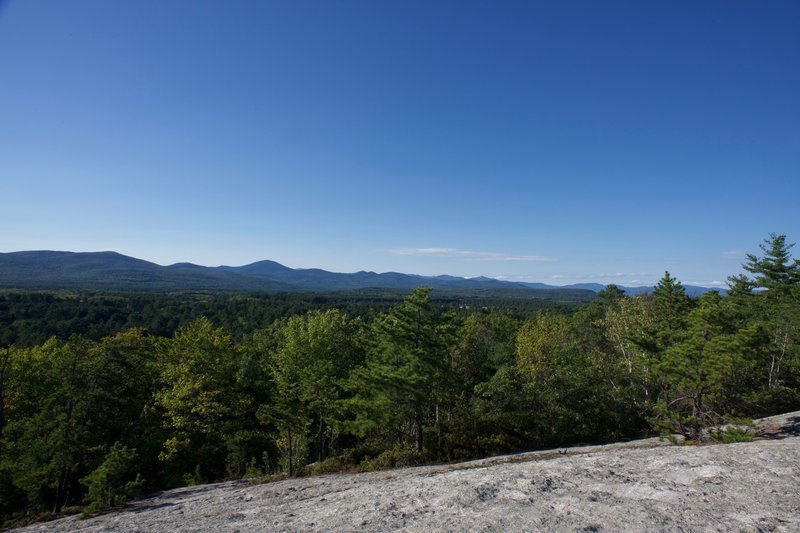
x=114 y=271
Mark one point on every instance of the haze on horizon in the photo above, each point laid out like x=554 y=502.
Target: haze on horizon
x=560 y=143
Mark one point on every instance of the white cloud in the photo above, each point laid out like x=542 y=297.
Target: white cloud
x=605 y=275
x=714 y=283
x=514 y=277
x=469 y=255
x=733 y=255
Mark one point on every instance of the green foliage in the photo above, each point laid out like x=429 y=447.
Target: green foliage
x=736 y=429
x=699 y=368
x=29 y=318
x=483 y=344
x=731 y=435
x=292 y=444
x=776 y=270
x=775 y=311
x=540 y=344
x=632 y=350
x=205 y=398
x=399 y=388
x=672 y=308
x=248 y=454
x=114 y=482
x=313 y=354
x=399 y=456
x=331 y=465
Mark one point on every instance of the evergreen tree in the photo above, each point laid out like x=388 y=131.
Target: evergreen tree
x=397 y=390
x=114 y=482
x=485 y=343
x=776 y=271
x=778 y=310
x=740 y=286
x=610 y=294
x=698 y=370
x=55 y=395
x=672 y=307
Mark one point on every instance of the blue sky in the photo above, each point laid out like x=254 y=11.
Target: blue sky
x=558 y=142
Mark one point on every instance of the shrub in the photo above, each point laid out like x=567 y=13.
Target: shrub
x=736 y=430
x=399 y=456
x=331 y=465
x=113 y=482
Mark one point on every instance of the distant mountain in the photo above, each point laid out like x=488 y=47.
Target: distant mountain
x=114 y=271
x=691 y=290
x=594 y=287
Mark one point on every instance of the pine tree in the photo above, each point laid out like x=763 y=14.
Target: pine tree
x=672 y=307
x=776 y=271
x=778 y=307
x=697 y=370
x=114 y=482
x=397 y=388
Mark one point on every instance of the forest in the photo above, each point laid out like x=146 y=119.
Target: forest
x=28 y=318
x=96 y=411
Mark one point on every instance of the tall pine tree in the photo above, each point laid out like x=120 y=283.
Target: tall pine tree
x=396 y=391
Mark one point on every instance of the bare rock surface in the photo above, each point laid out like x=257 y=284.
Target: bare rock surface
x=645 y=485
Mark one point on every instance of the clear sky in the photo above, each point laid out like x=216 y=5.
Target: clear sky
x=558 y=142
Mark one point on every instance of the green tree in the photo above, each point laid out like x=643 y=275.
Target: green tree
x=776 y=270
x=114 y=481
x=699 y=368
x=777 y=309
x=399 y=388
x=66 y=400
x=313 y=354
x=539 y=345
x=47 y=422
x=204 y=402
x=122 y=389
x=5 y=364
x=630 y=328
x=485 y=342
x=672 y=309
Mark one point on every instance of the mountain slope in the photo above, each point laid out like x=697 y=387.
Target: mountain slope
x=110 y=270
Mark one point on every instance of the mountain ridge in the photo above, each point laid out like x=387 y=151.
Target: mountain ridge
x=108 y=270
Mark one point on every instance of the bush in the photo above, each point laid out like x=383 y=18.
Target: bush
x=113 y=482
x=331 y=465
x=732 y=434
x=735 y=430
x=399 y=456
x=244 y=450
